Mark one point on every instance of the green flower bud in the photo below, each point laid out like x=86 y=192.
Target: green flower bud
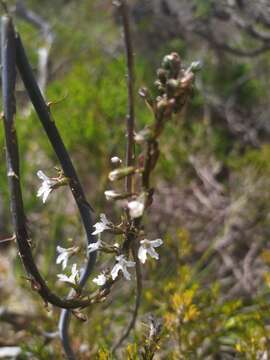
x=172 y=63
x=162 y=76
x=195 y=66
x=121 y=173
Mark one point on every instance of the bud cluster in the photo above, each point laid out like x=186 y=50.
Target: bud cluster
x=174 y=85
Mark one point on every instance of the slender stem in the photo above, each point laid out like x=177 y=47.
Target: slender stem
x=4 y=6
x=130 y=82
x=63 y=326
x=137 y=303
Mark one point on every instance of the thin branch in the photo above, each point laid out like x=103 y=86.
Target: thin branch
x=123 y=8
x=47 y=33
x=137 y=303
x=4 y=6
x=12 y=238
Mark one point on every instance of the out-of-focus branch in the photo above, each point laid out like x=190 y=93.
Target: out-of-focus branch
x=123 y=9
x=47 y=33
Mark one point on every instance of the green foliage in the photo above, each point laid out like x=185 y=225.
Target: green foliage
x=91 y=82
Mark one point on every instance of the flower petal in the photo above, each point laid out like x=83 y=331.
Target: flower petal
x=152 y=252
x=115 y=270
x=126 y=273
x=100 y=280
x=142 y=254
x=42 y=176
x=156 y=243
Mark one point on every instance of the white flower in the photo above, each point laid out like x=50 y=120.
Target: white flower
x=136 y=208
x=72 y=279
x=46 y=186
x=148 y=247
x=116 y=160
x=63 y=256
x=94 y=246
x=122 y=264
x=101 y=226
x=100 y=279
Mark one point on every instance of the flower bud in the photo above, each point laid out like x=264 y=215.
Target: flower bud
x=172 y=63
x=195 y=66
x=172 y=87
x=162 y=76
x=136 y=207
x=113 y=195
x=121 y=173
x=116 y=160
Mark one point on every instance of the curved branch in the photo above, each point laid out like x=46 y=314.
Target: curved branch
x=11 y=53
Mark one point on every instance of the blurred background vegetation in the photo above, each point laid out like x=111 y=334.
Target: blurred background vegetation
x=211 y=284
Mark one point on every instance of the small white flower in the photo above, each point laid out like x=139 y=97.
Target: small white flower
x=148 y=248
x=46 y=186
x=72 y=279
x=100 y=279
x=116 y=160
x=94 y=246
x=122 y=264
x=101 y=226
x=63 y=256
x=136 y=208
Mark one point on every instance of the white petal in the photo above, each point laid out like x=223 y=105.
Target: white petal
x=115 y=270
x=42 y=176
x=94 y=246
x=156 y=243
x=100 y=227
x=46 y=194
x=152 y=252
x=136 y=209
x=60 y=249
x=63 y=277
x=64 y=263
x=100 y=280
x=142 y=254
x=119 y=258
x=104 y=219
x=42 y=188
x=126 y=273
x=60 y=258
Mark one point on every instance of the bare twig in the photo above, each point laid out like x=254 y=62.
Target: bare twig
x=4 y=6
x=44 y=51
x=123 y=8
x=12 y=238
